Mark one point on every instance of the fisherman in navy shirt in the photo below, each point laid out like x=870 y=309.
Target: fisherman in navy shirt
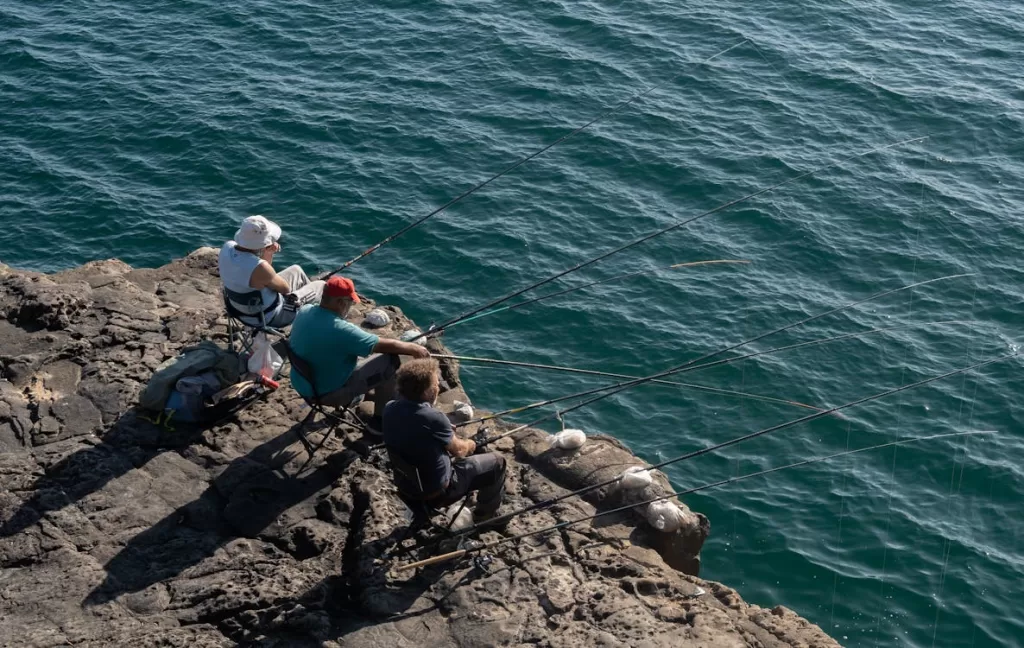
x=445 y=468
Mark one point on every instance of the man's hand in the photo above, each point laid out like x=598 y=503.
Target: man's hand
x=459 y=447
x=397 y=347
x=291 y=299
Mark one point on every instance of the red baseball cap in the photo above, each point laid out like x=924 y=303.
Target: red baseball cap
x=341 y=287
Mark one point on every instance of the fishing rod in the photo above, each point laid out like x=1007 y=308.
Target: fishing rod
x=684 y=370
x=591 y=372
x=724 y=482
x=627 y=275
x=689 y=365
x=521 y=162
x=745 y=437
x=583 y=264
x=728 y=392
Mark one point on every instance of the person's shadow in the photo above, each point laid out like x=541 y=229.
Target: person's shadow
x=132 y=442
x=244 y=500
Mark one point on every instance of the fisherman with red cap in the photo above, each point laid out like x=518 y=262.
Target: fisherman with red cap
x=333 y=346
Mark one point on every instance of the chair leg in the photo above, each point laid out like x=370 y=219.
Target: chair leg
x=327 y=435
x=231 y=334
x=246 y=340
x=301 y=432
x=311 y=450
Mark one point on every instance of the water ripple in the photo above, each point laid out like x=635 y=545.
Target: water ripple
x=143 y=131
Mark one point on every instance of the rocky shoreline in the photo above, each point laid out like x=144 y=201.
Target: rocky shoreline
x=115 y=530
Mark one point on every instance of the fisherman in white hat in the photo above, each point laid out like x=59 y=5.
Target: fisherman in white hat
x=245 y=266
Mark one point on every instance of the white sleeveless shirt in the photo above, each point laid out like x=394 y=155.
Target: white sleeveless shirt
x=236 y=268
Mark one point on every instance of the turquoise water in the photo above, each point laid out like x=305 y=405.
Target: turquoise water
x=143 y=130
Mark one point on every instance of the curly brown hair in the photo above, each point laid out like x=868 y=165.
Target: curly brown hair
x=414 y=377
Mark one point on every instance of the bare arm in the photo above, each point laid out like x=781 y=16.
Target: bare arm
x=265 y=277
x=397 y=347
x=459 y=447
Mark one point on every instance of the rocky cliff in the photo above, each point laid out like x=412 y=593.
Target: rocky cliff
x=118 y=530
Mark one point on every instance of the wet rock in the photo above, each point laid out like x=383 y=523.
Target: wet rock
x=601 y=459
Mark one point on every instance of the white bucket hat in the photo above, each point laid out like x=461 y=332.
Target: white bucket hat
x=257 y=232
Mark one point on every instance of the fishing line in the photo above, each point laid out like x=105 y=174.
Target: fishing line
x=596 y=283
x=736 y=464
x=561 y=525
x=590 y=372
x=839 y=534
x=521 y=162
x=899 y=416
x=579 y=266
x=752 y=435
x=517 y=410
x=618 y=387
x=948 y=549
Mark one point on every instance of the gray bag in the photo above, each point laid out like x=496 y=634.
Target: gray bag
x=205 y=356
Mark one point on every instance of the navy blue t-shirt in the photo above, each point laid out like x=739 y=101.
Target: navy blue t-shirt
x=419 y=434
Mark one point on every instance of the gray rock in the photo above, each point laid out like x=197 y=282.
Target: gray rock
x=38 y=302
x=116 y=530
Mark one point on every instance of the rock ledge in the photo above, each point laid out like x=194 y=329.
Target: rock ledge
x=115 y=530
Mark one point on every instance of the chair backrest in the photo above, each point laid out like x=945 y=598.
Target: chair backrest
x=252 y=299
x=301 y=367
x=409 y=472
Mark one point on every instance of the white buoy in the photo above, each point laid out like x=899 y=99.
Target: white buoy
x=635 y=478
x=568 y=439
x=664 y=516
x=378 y=318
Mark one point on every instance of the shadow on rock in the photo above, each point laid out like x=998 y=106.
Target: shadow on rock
x=251 y=498
x=366 y=603
x=132 y=442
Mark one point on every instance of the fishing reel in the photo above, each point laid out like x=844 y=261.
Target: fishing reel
x=482 y=561
x=481 y=439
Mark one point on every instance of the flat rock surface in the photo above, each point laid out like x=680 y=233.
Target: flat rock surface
x=118 y=530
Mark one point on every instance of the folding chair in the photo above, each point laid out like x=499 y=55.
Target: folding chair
x=423 y=510
x=237 y=327
x=305 y=370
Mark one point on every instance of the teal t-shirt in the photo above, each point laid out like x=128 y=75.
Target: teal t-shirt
x=330 y=345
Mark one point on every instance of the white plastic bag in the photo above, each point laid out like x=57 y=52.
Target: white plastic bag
x=409 y=336
x=464 y=519
x=264 y=361
x=462 y=411
x=568 y=439
x=664 y=516
x=635 y=478
x=377 y=318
